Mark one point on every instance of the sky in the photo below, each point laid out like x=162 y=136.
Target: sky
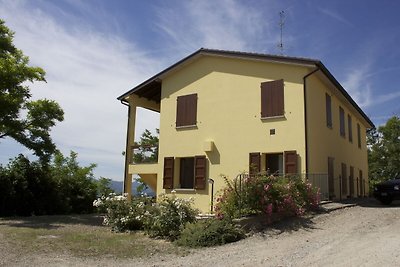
x=95 y=50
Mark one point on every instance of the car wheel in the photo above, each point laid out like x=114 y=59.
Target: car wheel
x=386 y=200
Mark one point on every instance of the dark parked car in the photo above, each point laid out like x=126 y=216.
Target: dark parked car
x=387 y=191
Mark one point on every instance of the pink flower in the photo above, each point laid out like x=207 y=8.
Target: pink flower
x=266 y=187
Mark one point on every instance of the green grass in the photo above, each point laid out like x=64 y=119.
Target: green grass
x=80 y=237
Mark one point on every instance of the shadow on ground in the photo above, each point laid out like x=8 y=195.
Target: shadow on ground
x=53 y=221
x=260 y=224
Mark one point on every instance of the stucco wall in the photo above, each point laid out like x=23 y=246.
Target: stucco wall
x=324 y=142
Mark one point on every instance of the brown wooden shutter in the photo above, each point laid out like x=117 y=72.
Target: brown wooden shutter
x=342 y=124
x=290 y=162
x=351 y=181
x=254 y=163
x=328 y=111
x=272 y=99
x=200 y=166
x=186 y=110
x=350 y=126
x=168 y=180
x=344 y=179
x=358 y=135
x=331 y=176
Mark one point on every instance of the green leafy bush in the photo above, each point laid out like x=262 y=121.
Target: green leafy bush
x=283 y=196
x=210 y=232
x=122 y=214
x=167 y=218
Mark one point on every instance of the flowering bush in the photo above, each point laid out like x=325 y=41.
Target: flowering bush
x=122 y=214
x=284 y=196
x=168 y=217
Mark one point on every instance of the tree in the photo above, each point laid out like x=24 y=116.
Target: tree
x=384 y=151
x=26 y=121
x=76 y=185
x=147 y=152
x=147 y=147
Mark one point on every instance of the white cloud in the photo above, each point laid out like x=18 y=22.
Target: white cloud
x=336 y=16
x=86 y=71
x=225 y=24
x=359 y=84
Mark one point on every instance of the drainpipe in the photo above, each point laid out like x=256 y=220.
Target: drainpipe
x=305 y=113
x=211 y=181
x=124 y=102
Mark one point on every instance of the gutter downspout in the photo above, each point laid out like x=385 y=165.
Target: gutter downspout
x=124 y=102
x=305 y=113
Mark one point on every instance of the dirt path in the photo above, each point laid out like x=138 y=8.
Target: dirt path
x=365 y=235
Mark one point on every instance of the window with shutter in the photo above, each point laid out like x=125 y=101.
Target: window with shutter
x=168 y=179
x=350 y=126
x=254 y=163
x=328 y=101
x=359 y=135
x=290 y=162
x=200 y=167
x=272 y=99
x=342 y=125
x=186 y=110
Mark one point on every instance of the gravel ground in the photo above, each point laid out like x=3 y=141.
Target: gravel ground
x=364 y=235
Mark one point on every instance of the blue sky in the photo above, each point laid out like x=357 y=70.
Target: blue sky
x=95 y=50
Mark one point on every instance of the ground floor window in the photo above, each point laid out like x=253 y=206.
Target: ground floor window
x=186 y=174
x=281 y=163
x=274 y=163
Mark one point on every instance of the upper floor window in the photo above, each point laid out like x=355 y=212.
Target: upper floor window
x=186 y=111
x=349 y=125
x=359 y=135
x=342 y=123
x=272 y=99
x=328 y=110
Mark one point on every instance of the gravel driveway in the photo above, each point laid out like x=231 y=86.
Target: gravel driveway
x=364 y=235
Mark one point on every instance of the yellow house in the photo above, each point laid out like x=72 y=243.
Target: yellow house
x=224 y=112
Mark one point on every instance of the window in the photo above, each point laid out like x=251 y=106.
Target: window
x=349 y=125
x=359 y=135
x=186 y=111
x=193 y=172
x=328 y=110
x=274 y=163
x=341 y=119
x=272 y=99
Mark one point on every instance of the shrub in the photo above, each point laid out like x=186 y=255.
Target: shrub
x=122 y=214
x=168 y=217
x=210 y=232
x=284 y=196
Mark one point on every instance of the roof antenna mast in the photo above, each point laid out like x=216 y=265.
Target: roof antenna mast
x=281 y=24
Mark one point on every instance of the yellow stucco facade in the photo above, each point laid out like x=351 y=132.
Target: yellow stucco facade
x=229 y=124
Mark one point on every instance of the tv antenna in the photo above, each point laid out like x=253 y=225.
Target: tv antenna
x=281 y=24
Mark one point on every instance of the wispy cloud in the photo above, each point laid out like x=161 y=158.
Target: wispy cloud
x=335 y=16
x=359 y=83
x=225 y=24
x=86 y=71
